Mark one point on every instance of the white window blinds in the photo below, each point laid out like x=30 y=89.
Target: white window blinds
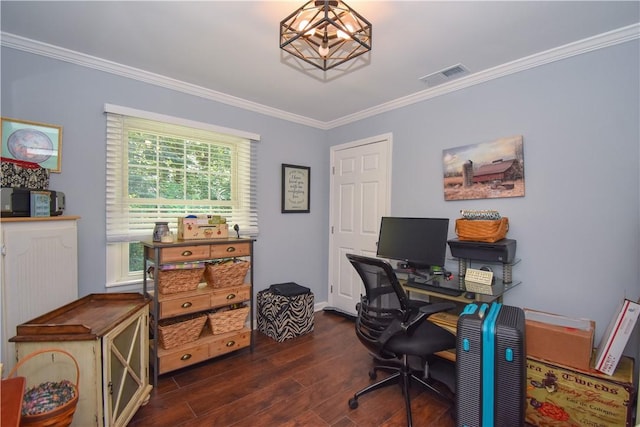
x=159 y=171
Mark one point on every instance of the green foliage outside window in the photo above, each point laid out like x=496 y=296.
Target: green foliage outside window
x=163 y=168
x=135 y=257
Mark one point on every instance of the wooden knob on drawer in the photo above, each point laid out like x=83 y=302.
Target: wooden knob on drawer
x=231 y=343
x=186 y=305
x=231 y=296
x=231 y=249
x=187 y=253
x=185 y=357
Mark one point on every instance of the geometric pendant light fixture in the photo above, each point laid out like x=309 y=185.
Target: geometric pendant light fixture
x=325 y=33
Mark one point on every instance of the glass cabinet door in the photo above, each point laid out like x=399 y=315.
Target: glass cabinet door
x=126 y=361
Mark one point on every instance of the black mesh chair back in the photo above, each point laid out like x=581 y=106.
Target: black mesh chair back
x=384 y=303
x=393 y=329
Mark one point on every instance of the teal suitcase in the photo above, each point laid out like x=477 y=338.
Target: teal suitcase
x=490 y=366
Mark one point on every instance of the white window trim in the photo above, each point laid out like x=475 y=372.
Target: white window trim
x=117 y=258
x=126 y=111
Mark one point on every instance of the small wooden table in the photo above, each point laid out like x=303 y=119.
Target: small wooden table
x=11 y=393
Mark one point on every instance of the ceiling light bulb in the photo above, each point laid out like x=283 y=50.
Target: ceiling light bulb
x=344 y=35
x=303 y=24
x=323 y=51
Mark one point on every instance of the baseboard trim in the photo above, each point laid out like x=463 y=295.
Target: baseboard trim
x=339 y=312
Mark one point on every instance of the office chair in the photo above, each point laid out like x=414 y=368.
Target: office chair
x=393 y=331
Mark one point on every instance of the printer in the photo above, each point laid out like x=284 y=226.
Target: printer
x=503 y=251
x=16 y=202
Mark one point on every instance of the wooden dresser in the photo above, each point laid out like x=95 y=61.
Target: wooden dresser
x=201 y=300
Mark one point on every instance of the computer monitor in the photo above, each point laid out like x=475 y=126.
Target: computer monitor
x=419 y=242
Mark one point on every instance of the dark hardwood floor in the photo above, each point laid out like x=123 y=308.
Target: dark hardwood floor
x=306 y=381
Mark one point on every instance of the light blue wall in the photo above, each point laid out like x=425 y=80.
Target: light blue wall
x=578 y=225
x=291 y=247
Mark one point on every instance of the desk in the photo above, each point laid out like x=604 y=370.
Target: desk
x=500 y=289
x=11 y=393
x=449 y=321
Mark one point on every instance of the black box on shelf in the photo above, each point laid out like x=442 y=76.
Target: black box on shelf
x=503 y=251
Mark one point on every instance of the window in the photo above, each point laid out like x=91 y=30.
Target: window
x=160 y=168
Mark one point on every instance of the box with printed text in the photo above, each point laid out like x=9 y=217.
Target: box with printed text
x=616 y=336
x=194 y=229
x=561 y=396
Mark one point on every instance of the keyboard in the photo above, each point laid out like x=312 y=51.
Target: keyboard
x=436 y=289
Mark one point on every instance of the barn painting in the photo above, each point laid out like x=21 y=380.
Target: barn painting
x=487 y=170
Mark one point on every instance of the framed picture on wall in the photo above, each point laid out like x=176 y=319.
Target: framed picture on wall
x=487 y=170
x=296 y=182
x=32 y=142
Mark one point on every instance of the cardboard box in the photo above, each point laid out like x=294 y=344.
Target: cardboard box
x=559 y=339
x=198 y=228
x=615 y=338
x=565 y=397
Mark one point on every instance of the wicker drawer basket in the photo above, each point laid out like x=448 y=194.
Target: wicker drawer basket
x=178 y=280
x=227 y=320
x=478 y=230
x=226 y=274
x=180 y=330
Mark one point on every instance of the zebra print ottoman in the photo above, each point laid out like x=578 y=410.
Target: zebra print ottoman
x=282 y=317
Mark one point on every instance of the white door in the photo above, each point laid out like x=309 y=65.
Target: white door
x=360 y=196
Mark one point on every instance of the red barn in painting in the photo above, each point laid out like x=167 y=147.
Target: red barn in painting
x=498 y=170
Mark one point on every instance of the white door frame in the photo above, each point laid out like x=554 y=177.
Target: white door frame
x=387 y=203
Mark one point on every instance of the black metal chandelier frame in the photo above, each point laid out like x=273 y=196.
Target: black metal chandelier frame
x=325 y=33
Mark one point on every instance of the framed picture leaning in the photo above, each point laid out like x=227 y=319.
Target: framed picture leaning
x=32 y=142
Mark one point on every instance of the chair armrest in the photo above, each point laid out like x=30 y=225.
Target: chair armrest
x=438 y=307
x=424 y=312
x=410 y=325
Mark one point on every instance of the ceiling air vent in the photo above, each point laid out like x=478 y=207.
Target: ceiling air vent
x=445 y=75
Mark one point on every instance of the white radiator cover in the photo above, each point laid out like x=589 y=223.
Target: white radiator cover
x=39 y=274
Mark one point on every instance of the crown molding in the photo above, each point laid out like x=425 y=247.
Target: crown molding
x=43 y=49
x=621 y=35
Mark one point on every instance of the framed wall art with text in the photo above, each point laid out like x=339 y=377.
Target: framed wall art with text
x=296 y=182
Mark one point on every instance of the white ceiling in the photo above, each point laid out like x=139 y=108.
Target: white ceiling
x=228 y=50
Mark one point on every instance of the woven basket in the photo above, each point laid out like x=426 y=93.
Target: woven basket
x=180 y=330
x=61 y=416
x=223 y=321
x=478 y=230
x=179 y=280
x=226 y=274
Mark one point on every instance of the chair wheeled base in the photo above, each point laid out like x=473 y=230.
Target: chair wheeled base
x=402 y=375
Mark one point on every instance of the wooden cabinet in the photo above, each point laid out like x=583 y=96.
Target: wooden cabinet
x=107 y=335
x=39 y=272
x=201 y=300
